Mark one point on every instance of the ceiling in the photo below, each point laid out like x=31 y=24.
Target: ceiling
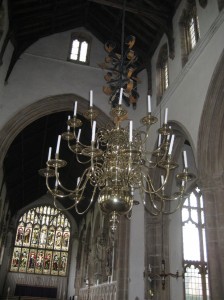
x=30 y=20
x=147 y=20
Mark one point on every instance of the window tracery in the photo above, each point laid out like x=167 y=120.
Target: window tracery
x=190 y=33
x=195 y=258
x=41 y=242
x=162 y=72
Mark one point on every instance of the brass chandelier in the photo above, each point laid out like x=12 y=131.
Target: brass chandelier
x=118 y=164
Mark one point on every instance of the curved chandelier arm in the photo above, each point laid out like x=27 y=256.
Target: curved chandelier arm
x=145 y=133
x=151 y=190
x=63 y=209
x=157 y=211
x=82 y=162
x=55 y=192
x=91 y=201
x=179 y=204
x=77 y=149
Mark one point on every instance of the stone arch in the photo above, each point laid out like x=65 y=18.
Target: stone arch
x=211 y=176
x=220 y=4
x=159 y=238
x=39 y=109
x=44 y=107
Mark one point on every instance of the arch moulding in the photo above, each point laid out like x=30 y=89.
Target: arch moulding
x=40 y=109
x=211 y=176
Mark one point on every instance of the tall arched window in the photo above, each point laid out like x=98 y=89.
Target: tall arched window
x=194 y=248
x=41 y=242
x=162 y=72
x=189 y=27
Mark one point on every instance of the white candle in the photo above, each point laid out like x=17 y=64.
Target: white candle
x=78 y=137
x=159 y=140
x=130 y=131
x=185 y=159
x=68 y=127
x=149 y=104
x=93 y=131
x=75 y=108
x=171 y=144
x=58 y=144
x=166 y=116
x=49 y=153
x=120 y=98
x=91 y=99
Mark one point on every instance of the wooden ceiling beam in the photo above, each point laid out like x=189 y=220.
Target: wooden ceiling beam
x=128 y=9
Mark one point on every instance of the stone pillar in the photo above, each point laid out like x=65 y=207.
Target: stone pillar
x=123 y=259
x=213 y=190
x=156 y=237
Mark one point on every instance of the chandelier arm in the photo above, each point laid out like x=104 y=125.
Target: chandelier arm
x=83 y=181
x=146 y=133
x=157 y=213
x=82 y=162
x=151 y=189
x=63 y=209
x=79 y=146
x=53 y=191
x=180 y=203
x=83 y=212
x=62 y=186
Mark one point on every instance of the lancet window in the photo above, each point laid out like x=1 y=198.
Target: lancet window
x=162 y=72
x=190 y=33
x=194 y=248
x=41 y=242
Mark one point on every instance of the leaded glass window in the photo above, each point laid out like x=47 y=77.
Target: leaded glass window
x=194 y=248
x=190 y=33
x=162 y=72
x=80 y=48
x=41 y=242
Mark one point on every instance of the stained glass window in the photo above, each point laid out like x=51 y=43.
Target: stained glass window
x=41 y=242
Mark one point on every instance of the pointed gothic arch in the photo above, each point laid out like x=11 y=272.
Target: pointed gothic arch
x=211 y=175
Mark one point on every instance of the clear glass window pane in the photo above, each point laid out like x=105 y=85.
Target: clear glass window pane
x=191 y=242
x=185 y=214
x=193 y=284
x=193 y=200
x=75 y=49
x=194 y=216
x=192 y=33
x=166 y=75
x=204 y=244
x=79 y=50
x=83 y=51
x=194 y=248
